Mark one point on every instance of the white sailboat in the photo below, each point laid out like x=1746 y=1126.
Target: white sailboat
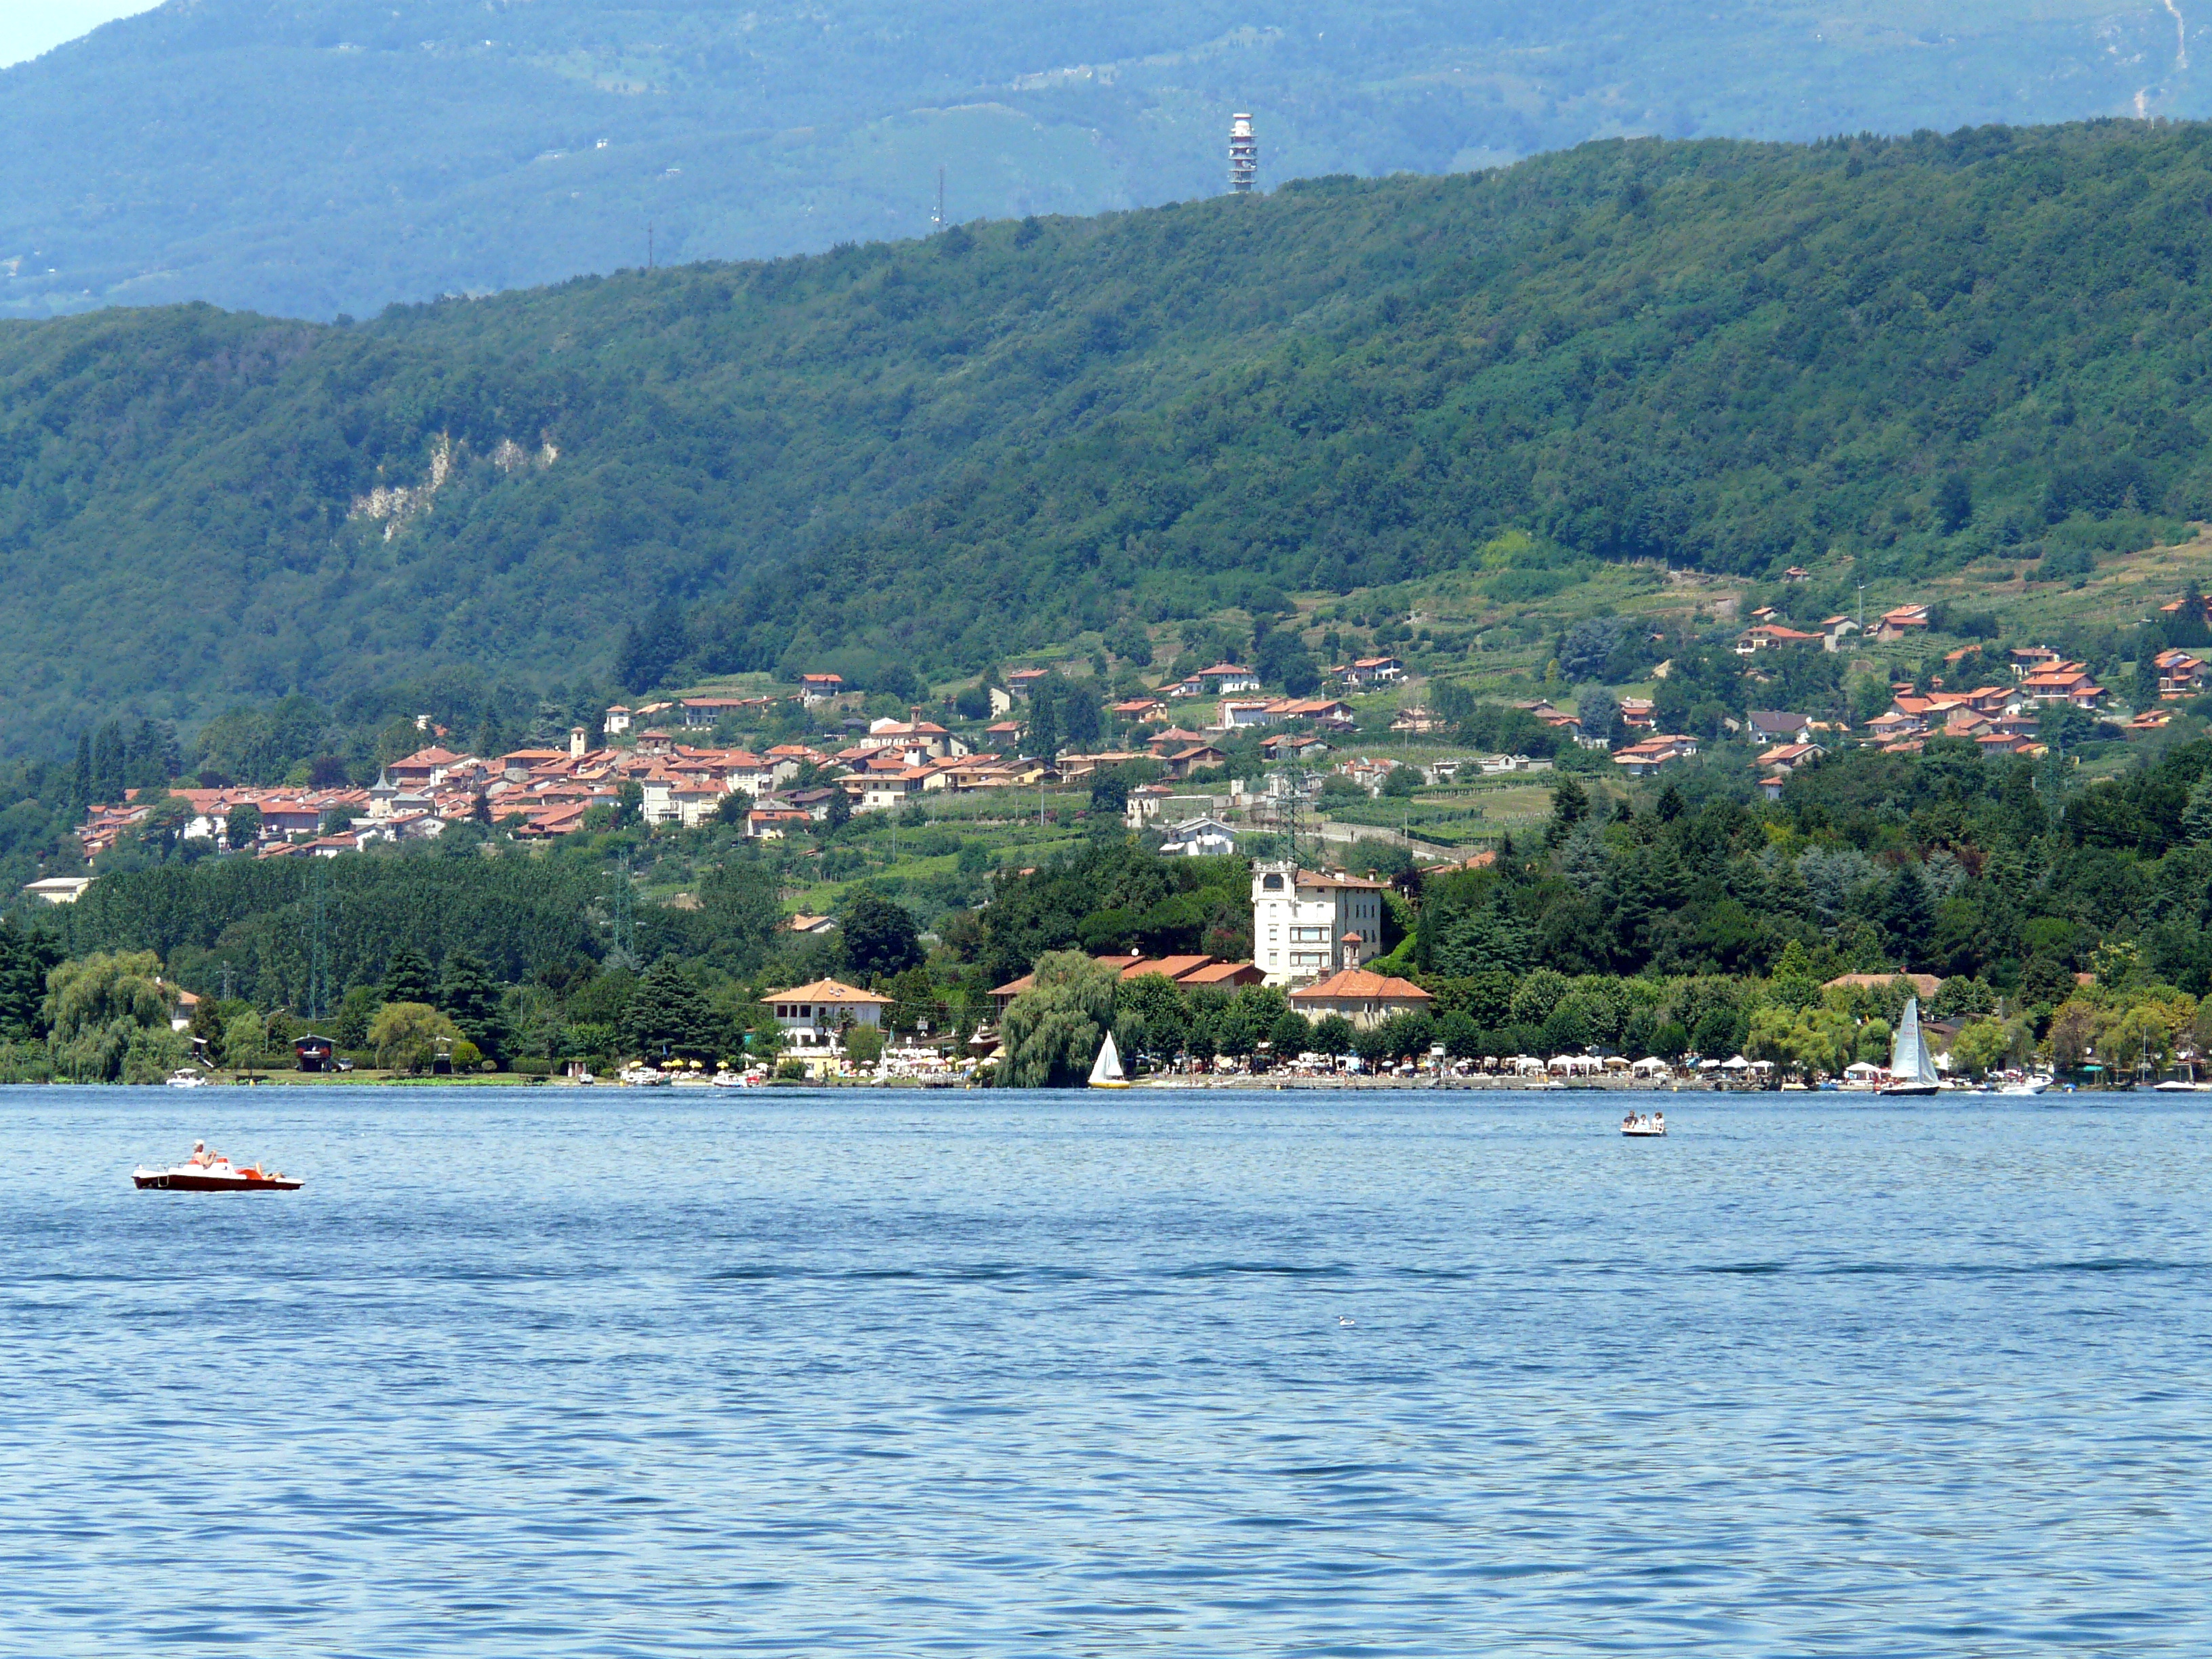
x=1910 y=1070
x=1106 y=1071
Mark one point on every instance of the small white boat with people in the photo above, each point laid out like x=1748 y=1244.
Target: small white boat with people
x=206 y=1171
x=726 y=1078
x=1911 y=1069
x=1644 y=1124
x=2026 y=1086
x=1106 y=1071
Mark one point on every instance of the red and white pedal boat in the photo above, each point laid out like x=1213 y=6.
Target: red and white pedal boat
x=216 y=1175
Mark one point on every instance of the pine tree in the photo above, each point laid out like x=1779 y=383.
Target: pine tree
x=880 y=938
x=408 y=978
x=2196 y=816
x=1908 y=916
x=470 y=997
x=670 y=1016
x=1570 y=806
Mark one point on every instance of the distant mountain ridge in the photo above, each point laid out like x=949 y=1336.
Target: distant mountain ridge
x=1923 y=353
x=313 y=157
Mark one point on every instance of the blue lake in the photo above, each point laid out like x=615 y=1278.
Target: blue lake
x=622 y=1373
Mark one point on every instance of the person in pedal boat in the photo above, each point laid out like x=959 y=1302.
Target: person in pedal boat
x=202 y=1158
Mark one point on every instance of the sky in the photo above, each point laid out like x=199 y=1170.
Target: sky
x=28 y=27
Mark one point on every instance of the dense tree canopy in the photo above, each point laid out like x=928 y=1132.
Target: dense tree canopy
x=925 y=456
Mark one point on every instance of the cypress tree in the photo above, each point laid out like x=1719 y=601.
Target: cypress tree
x=108 y=763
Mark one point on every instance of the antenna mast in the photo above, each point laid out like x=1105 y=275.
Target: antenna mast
x=937 y=223
x=1243 y=154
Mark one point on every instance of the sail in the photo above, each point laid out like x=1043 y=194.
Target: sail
x=1108 y=1067
x=1908 y=1053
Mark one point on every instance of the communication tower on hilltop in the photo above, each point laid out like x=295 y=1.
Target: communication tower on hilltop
x=1243 y=154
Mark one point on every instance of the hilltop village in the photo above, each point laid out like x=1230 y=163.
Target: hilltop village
x=658 y=762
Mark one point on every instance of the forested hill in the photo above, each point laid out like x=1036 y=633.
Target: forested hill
x=1731 y=355
x=308 y=157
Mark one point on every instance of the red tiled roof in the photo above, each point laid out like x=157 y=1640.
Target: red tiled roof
x=1358 y=982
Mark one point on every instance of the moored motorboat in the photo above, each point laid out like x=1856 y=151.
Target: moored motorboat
x=187 y=1077
x=212 y=1172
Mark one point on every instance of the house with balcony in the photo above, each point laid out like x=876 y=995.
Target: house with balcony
x=817 y=1016
x=1307 y=923
x=1227 y=679
x=712 y=711
x=1642 y=759
x=2060 y=681
x=1370 y=670
x=2179 y=674
x=1772 y=636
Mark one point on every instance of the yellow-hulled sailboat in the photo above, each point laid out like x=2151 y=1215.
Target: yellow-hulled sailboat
x=1106 y=1071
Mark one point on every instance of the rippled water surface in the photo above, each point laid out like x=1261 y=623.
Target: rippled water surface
x=624 y=1373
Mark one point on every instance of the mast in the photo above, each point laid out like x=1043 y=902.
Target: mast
x=1108 y=1067
x=1908 y=1051
x=1243 y=154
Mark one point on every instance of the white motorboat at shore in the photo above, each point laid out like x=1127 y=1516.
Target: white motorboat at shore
x=188 y=1077
x=2026 y=1086
x=1911 y=1070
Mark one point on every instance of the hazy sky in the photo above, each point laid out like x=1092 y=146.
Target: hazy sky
x=28 y=27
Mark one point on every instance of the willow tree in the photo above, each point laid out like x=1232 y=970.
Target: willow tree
x=1052 y=1030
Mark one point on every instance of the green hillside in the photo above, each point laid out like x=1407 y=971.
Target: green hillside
x=1919 y=354
x=308 y=157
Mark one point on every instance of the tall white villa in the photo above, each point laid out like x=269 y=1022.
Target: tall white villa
x=1306 y=924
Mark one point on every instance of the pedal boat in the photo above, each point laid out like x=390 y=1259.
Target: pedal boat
x=219 y=1176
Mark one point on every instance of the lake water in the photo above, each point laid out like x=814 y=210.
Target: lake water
x=629 y=1373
